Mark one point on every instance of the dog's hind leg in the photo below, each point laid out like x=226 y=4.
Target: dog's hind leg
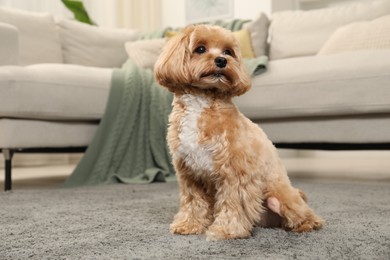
x=271 y=218
x=296 y=215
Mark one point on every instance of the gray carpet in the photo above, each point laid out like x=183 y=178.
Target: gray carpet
x=131 y=222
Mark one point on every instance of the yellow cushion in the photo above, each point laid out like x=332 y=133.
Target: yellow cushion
x=170 y=34
x=243 y=37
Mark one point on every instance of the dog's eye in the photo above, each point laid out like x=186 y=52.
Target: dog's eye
x=200 y=50
x=228 y=52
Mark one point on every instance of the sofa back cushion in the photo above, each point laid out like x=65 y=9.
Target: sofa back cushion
x=38 y=36
x=303 y=33
x=365 y=35
x=9 y=44
x=88 y=45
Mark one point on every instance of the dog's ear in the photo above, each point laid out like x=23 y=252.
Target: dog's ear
x=243 y=81
x=171 y=68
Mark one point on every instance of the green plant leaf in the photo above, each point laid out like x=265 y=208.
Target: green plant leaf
x=78 y=9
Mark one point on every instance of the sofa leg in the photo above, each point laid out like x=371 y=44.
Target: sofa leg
x=8 y=153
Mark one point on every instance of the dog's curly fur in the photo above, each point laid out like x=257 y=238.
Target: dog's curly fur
x=228 y=170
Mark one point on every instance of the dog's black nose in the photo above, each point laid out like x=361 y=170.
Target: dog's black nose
x=220 y=62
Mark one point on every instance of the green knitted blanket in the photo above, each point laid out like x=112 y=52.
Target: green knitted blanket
x=130 y=143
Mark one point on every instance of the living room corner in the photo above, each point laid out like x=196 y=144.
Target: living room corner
x=86 y=165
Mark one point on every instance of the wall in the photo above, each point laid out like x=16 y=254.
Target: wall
x=173 y=11
x=145 y=14
x=313 y=4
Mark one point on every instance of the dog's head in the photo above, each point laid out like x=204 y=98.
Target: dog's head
x=203 y=58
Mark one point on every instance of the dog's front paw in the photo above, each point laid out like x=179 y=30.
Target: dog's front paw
x=186 y=227
x=215 y=232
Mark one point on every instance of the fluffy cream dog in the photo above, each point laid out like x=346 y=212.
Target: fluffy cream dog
x=227 y=168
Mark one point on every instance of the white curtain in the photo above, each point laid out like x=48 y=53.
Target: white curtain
x=144 y=15
x=140 y=14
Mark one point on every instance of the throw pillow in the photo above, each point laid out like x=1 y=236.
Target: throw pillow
x=39 y=40
x=303 y=33
x=145 y=53
x=258 y=29
x=244 y=39
x=88 y=45
x=358 y=36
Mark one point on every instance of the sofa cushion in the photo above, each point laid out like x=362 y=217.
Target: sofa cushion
x=364 y=130
x=245 y=42
x=9 y=42
x=39 y=40
x=88 y=45
x=23 y=133
x=352 y=83
x=54 y=91
x=302 y=33
x=359 y=36
x=145 y=53
x=258 y=29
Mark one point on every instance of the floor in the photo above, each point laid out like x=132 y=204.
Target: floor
x=38 y=177
x=330 y=167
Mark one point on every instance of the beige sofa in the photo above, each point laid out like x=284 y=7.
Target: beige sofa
x=55 y=78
